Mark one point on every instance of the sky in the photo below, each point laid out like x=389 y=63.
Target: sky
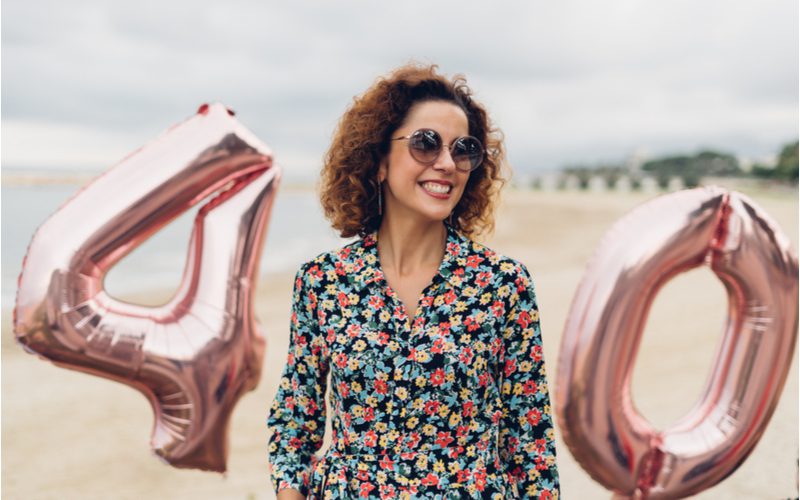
x=86 y=82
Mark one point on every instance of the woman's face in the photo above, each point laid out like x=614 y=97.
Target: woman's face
x=424 y=192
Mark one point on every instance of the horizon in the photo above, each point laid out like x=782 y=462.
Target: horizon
x=744 y=160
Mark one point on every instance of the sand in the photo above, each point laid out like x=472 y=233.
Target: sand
x=70 y=435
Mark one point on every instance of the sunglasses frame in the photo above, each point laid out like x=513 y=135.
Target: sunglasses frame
x=442 y=145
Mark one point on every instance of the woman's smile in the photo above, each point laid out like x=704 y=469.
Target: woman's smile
x=437 y=189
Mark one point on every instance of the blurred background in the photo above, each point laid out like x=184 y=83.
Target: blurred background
x=603 y=107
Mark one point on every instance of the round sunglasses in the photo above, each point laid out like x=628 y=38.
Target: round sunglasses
x=425 y=145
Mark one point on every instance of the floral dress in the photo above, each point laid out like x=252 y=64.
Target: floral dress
x=452 y=403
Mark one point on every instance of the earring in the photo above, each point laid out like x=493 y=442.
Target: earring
x=380 y=201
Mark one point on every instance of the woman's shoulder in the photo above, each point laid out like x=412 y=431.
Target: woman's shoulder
x=338 y=260
x=507 y=275
x=476 y=254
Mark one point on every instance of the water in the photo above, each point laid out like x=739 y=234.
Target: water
x=297 y=232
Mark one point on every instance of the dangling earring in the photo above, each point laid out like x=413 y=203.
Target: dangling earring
x=380 y=201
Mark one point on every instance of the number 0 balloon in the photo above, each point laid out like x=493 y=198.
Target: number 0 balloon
x=642 y=251
x=195 y=356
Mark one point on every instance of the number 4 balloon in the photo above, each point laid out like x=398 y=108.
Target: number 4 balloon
x=195 y=356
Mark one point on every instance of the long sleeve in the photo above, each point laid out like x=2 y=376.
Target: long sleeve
x=527 y=439
x=298 y=412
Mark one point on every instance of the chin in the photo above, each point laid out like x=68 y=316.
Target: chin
x=436 y=213
x=433 y=216
x=431 y=212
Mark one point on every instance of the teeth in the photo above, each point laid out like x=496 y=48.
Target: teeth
x=436 y=188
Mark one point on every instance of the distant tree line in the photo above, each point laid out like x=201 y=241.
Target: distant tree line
x=692 y=168
x=786 y=167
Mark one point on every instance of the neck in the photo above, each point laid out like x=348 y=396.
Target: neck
x=405 y=246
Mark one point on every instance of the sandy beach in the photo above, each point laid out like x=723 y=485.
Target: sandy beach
x=67 y=435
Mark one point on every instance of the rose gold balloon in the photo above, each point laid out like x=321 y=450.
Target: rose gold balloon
x=195 y=356
x=638 y=255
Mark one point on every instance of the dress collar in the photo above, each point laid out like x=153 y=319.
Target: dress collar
x=366 y=265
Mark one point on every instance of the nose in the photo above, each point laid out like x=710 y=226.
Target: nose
x=445 y=160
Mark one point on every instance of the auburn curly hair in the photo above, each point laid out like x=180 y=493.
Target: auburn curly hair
x=349 y=186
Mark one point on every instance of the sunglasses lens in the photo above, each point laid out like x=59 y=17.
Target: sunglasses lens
x=425 y=145
x=467 y=153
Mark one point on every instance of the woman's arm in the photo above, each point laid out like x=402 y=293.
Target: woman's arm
x=290 y=494
x=527 y=439
x=297 y=414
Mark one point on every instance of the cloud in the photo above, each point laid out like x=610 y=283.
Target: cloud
x=567 y=81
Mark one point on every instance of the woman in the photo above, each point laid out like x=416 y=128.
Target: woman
x=431 y=340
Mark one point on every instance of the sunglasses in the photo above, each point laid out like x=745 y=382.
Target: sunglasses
x=425 y=145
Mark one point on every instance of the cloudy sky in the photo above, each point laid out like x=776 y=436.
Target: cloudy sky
x=85 y=82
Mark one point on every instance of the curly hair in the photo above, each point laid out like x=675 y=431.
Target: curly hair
x=349 y=186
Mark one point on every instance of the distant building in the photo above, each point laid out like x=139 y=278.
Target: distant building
x=649 y=184
x=571 y=182
x=635 y=161
x=746 y=164
x=675 y=184
x=522 y=180
x=548 y=181
x=597 y=184
x=623 y=184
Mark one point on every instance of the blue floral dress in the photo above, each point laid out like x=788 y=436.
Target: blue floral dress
x=452 y=403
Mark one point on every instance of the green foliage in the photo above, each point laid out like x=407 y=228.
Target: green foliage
x=786 y=169
x=691 y=168
x=761 y=171
x=691 y=180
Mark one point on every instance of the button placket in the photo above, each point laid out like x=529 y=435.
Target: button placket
x=398 y=332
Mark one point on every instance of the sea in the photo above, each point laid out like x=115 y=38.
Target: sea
x=297 y=232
